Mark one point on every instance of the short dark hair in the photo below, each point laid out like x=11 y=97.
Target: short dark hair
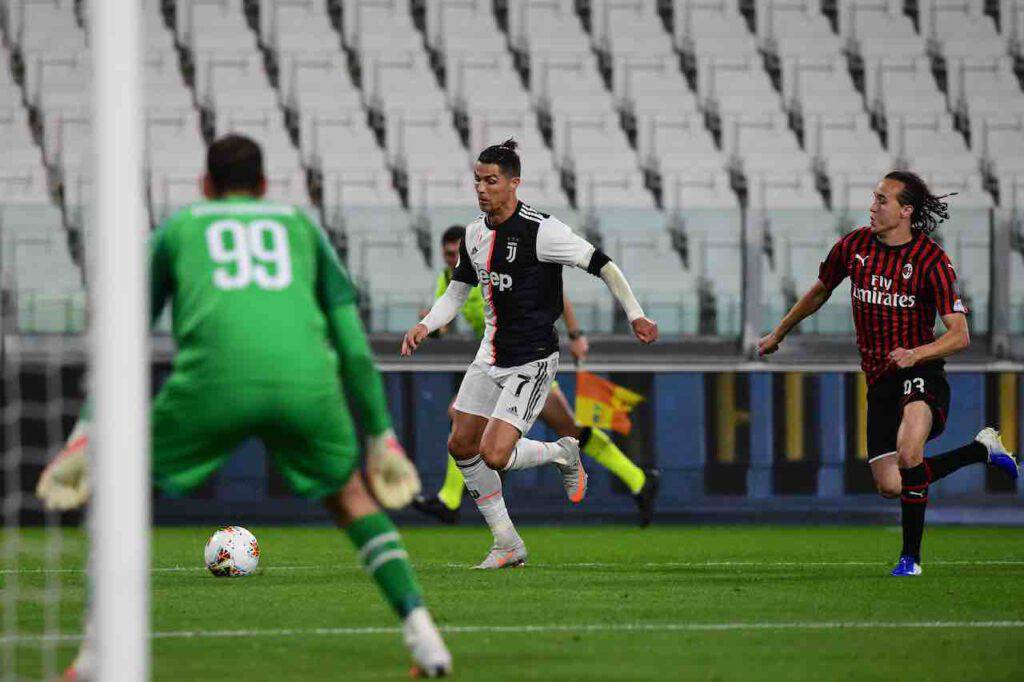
x=234 y=162
x=929 y=210
x=504 y=156
x=455 y=233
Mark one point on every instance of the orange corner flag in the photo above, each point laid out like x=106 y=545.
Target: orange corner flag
x=603 y=404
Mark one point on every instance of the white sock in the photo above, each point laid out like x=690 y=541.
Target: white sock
x=534 y=453
x=484 y=487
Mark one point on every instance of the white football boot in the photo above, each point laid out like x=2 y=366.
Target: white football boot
x=574 y=477
x=430 y=656
x=503 y=557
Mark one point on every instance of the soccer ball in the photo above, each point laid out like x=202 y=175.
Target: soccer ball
x=232 y=552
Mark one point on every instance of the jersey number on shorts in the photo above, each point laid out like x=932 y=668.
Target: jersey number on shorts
x=258 y=251
x=910 y=384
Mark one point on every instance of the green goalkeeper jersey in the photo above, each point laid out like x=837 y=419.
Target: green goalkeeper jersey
x=260 y=299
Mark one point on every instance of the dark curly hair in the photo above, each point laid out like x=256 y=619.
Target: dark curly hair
x=504 y=156
x=930 y=210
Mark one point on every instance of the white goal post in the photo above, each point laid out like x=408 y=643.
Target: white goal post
x=118 y=337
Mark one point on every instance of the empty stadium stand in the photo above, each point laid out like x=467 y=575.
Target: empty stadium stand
x=654 y=127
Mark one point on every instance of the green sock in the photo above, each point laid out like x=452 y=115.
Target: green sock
x=599 y=446
x=383 y=556
x=451 y=490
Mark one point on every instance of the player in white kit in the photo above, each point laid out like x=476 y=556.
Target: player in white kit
x=516 y=254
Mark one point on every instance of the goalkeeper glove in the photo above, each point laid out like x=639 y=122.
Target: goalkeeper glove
x=393 y=477
x=64 y=483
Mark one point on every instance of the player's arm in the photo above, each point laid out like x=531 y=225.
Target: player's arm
x=556 y=243
x=579 y=347
x=391 y=475
x=439 y=288
x=447 y=306
x=808 y=304
x=941 y=280
x=831 y=272
x=955 y=339
x=64 y=483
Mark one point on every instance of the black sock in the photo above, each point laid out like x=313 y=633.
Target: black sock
x=584 y=438
x=913 y=502
x=943 y=465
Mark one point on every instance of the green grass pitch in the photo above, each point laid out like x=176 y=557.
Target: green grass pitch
x=595 y=603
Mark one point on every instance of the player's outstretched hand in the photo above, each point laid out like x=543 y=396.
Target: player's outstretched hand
x=393 y=478
x=413 y=338
x=645 y=329
x=64 y=483
x=768 y=344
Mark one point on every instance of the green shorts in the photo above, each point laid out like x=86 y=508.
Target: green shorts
x=307 y=430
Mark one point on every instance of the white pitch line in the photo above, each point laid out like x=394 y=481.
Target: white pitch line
x=523 y=629
x=754 y=564
x=652 y=564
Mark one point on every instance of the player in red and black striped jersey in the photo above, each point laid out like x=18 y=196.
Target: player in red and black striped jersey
x=900 y=279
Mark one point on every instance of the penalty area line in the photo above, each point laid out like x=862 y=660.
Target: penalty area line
x=530 y=629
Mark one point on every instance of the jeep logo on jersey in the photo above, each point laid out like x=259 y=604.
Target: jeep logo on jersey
x=908 y=270
x=496 y=279
x=510 y=254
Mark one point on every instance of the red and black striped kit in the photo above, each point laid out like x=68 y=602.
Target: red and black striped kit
x=896 y=292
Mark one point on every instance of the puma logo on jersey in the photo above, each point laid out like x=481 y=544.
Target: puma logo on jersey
x=496 y=279
x=863 y=259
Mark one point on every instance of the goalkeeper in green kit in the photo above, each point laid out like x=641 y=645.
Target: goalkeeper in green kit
x=265 y=320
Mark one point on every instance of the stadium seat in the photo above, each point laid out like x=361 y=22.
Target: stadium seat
x=395 y=302
x=651 y=84
x=676 y=142
x=790 y=29
x=23 y=183
x=929 y=143
x=339 y=139
x=43 y=24
x=960 y=29
x=236 y=79
x=814 y=85
x=897 y=85
x=738 y=84
x=844 y=143
x=711 y=28
x=624 y=28
x=296 y=25
x=788 y=190
x=984 y=85
x=314 y=81
x=999 y=138
x=44 y=282
x=762 y=142
x=445 y=23
x=354 y=188
x=213 y=26
x=878 y=28
x=378 y=25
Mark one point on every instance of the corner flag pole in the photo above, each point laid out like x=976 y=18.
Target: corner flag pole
x=118 y=336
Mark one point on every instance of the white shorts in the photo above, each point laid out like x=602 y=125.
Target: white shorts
x=512 y=394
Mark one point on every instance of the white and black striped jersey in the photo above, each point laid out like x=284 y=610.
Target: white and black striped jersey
x=518 y=265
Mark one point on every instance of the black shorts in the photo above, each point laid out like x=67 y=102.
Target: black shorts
x=887 y=398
